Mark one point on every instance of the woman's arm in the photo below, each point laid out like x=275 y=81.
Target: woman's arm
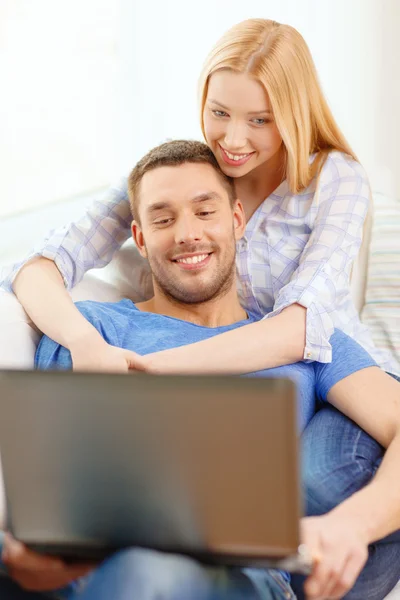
x=261 y=345
x=40 y=289
x=88 y=243
x=41 y=282
x=321 y=281
x=300 y=325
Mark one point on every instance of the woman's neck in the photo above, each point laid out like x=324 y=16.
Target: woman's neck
x=252 y=189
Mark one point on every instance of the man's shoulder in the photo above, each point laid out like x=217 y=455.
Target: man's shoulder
x=110 y=318
x=342 y=344
x=94 y=309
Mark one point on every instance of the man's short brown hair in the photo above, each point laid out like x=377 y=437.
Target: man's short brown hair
x=174 y=154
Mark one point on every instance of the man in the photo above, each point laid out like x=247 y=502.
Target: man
x=186 y=223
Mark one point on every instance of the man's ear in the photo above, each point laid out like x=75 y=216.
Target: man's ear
x=138 y=238
x=239 y=220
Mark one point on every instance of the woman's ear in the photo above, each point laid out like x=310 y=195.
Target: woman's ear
x=239 y=220
x=138 y=238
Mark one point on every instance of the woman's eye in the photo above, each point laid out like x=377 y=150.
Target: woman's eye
x=260 y=121
x=219 y=113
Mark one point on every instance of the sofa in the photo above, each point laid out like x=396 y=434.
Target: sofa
x=374 y=273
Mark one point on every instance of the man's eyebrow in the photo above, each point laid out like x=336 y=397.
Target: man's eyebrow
x=252 y=112
x=163 y=204
x=158 y=206
x=205 y=196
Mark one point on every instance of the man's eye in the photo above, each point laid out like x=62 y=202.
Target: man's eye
x=219 y=113
x=163 y=221
x=206 y=213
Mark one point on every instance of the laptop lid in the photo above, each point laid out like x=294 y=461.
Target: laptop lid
x=203 y=465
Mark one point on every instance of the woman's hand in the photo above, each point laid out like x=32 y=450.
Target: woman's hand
x=339 y=550
x=36 y=572
x=95 y=354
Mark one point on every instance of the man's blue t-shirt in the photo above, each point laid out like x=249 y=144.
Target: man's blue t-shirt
x=122 y=324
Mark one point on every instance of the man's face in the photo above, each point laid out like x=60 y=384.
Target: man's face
x=188 y=231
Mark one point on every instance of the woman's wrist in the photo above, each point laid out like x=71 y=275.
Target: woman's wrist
x=86 y=335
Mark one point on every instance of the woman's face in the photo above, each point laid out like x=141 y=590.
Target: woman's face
x=238 y=121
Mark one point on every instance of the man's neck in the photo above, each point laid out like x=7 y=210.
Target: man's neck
x=219 y=312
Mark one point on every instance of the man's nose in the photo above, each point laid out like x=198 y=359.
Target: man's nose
x=235 y=136
x=188 y=229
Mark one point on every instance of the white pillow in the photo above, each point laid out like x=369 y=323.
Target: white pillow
x=18 y=335
x=381 y=311
x=127 y=276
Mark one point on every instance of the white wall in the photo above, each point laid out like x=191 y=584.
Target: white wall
x=352 y=41
x=159 y=54
x=57 y=64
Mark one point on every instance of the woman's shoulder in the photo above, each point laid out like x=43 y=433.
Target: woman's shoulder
x=339 y=165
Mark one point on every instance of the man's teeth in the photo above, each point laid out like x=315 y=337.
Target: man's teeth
x=235 y=156
x=191 y=260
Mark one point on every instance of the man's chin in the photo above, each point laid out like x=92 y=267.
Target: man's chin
x=189 y=294
x=192 y=298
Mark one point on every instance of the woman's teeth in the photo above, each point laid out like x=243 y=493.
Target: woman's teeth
x=236 y=156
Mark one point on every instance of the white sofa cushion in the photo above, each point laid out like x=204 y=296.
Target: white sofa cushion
x=127 y=276
x=381 y=312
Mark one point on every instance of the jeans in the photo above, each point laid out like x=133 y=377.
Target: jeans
x=339 y=458
x=150 y=575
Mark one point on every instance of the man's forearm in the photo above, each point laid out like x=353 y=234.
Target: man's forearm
x=376 y=508
x=40 y=289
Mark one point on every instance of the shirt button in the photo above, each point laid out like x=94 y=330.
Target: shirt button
x=309 y=354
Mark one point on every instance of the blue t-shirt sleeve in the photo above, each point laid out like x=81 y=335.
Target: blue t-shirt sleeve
x=348 y=357
x=51 y=355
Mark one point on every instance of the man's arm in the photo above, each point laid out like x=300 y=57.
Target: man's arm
x=339 y=540
x=371 y=398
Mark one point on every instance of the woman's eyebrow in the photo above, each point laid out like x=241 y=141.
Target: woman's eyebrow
x=251 y=112
x=266 y=111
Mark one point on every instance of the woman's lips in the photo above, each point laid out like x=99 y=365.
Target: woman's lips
x=232 y=162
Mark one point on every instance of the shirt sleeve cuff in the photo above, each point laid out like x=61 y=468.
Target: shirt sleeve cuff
x=8 y=273
x=319 y=328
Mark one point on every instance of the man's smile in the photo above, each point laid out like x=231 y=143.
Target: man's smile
x=193 y=261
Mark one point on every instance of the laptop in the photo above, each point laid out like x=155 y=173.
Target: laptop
x=207 y=466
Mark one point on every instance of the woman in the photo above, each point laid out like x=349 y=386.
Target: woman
x=305 y=197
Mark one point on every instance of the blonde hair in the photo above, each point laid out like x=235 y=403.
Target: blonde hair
x=278 y=57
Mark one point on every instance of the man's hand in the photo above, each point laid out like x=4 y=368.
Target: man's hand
x=96 y=355
x=339 y=551
x=36 y=572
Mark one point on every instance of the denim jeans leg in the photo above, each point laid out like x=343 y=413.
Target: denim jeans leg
x=150 y=575
x=340 y=458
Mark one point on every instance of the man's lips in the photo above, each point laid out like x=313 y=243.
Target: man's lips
x=190 y=262
x=239 y=160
